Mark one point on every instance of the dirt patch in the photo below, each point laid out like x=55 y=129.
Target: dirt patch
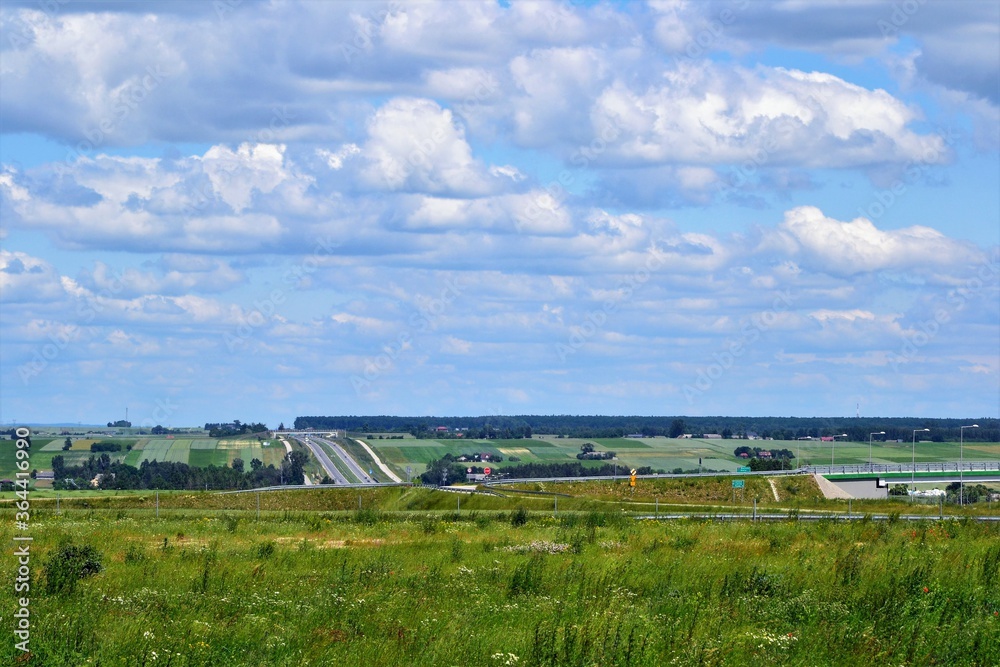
x=331 y=544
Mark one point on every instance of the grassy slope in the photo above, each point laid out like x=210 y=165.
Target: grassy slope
x=357 y=588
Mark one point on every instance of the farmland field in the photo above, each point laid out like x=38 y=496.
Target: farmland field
x=199 y=452
x=667 y=454
x=311 y=583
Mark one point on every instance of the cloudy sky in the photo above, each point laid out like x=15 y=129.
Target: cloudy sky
x=258 y=210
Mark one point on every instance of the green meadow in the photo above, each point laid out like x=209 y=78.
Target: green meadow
x=668 y=454
x=408 y=580
x=200 y=452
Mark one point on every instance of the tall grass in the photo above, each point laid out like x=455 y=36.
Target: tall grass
x=486 y=588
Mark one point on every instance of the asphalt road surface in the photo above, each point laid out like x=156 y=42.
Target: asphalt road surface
x=324 y=460
x=351 y=464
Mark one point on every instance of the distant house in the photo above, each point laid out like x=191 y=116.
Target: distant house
x=766 y=454
x=712 y=436
x=635 y=435
x=744 y=455
x=826 y=438
x=45 y=474
x=441 y=429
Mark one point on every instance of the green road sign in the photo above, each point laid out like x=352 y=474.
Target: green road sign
x=743 y=469
x=737 y=483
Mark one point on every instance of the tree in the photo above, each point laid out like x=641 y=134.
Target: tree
x=237 y=465
x=58 y=467
x=587 y=447
x=67 y=444
x=676 y=428
x=281 y=426
x=256 y=464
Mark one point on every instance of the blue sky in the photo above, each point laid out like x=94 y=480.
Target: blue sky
x=260 y=210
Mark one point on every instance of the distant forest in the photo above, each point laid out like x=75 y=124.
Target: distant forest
x=597 y=426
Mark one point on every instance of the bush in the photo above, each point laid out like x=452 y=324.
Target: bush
x=134 y=554
x=67 y=565
x=265 y=550
x=519 y=517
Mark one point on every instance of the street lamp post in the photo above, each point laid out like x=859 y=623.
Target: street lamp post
x=913 y=456
x=961 y=462
x=870 y=466
x=834 y=446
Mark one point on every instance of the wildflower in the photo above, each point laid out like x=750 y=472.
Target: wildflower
x=926 y=590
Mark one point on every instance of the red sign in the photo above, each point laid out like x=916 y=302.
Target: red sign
x=486 y=471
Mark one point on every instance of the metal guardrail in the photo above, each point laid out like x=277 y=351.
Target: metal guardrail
x=881 y=468
x=296 y=487
x=847 y=469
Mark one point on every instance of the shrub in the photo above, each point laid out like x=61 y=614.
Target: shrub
x=519 y=517
x=68 y=564
x=135 y=554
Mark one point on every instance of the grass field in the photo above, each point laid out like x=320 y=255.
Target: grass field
x=199 y=452
x=313 y=583
x=668 y=454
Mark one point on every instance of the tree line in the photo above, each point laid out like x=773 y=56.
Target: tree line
x=601 y=426
x=164 y=475
x=236 y=427
x=444 y=471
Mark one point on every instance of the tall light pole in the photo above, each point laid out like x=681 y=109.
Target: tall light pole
x=961 y=462
x=913 y=456
x=870 y=466
x=834 y=446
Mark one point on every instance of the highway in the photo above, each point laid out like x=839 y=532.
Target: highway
x=324 y=460
x=351 y=464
